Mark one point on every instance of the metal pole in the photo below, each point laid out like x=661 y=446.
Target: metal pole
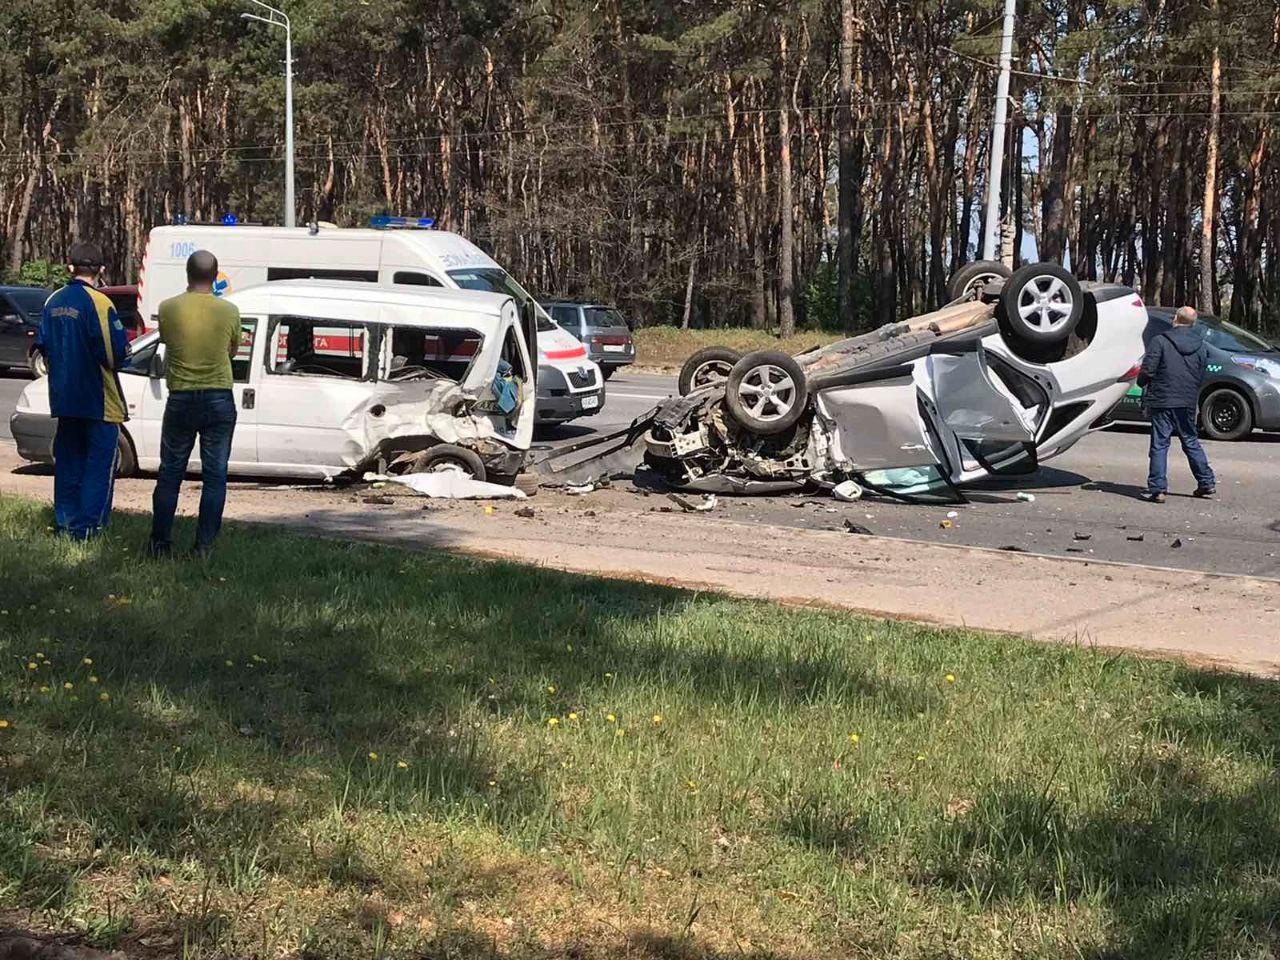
x=289 y=208
x=278 y=18
x=990 y=242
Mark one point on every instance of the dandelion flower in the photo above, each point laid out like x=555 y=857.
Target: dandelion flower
x=854 y=738
x=87 y=661
x=373 y=756
x=553 y=721
x=619 y=732
x=104 y=696
x=93 y=679
x=608 y=676
x=33 y=666
x=551 y=689
x=573 y=716
x=569 y=647
x=68 y=685
x=39 y=655
x=611 y=718
x=493 y=783
x=401 y=765
x=228 y=663
x=919 y=757
x=657 y=719
x=4 y=724
x=44 y=689
x=950 y=678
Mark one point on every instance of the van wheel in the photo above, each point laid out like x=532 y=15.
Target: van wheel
x=1226 y=415
x=126 y=459
x=445 y=456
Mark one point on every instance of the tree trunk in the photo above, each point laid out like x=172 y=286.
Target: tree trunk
x=850 y=173
x=786 y=251
x=1210 y=177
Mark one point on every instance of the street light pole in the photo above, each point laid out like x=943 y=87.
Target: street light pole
x=278 y=18
x=990 y=242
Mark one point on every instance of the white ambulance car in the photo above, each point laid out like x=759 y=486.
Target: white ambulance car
x=403 y=251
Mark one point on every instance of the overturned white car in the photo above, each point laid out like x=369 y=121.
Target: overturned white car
x=1013 y=372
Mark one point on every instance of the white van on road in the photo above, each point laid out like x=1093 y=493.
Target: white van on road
x=569 y=384
x=337 y=378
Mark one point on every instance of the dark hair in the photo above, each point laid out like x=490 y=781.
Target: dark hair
x=85 y=257
x=202 y=267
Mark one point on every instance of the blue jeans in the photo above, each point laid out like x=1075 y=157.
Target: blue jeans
x=210 y=414
x=84 y=474
x=1164 y=424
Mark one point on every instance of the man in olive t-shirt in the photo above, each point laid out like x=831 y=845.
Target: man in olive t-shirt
x=201 y=334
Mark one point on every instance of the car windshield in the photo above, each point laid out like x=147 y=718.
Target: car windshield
x=1227 y=336
x=603 y=317
x=497 y=280
x=29 y=300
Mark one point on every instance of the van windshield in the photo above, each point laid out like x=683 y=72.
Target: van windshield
x=497 y=280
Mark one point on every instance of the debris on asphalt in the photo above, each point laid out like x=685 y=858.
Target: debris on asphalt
x=1081 y=536
x=1177 y=544
x=452 y=484
x=953 y=514
x=857 y=528
x=946 y=524
x=1012 y=549
x=379 y=501
x=526 y=513
x=1026 y=498
x=688 y=506
x=1139 y=538
x=847 y=492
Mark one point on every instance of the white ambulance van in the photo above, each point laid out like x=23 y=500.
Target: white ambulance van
x=404 y=251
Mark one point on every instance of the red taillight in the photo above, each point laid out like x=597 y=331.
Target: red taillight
x=1133 y=372
x=1137 y=302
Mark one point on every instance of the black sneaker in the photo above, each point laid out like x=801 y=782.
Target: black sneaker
x=1156 y=497
x=1206 y=493
x=159 y=551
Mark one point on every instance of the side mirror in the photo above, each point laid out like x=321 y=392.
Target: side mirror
x=156 y=366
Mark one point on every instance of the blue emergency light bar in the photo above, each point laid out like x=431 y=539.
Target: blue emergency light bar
x=403 y=223
x=230 y=220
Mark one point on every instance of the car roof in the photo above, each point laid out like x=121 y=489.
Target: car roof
x=351 y=299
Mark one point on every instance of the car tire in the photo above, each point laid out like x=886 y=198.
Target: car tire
x=126 y=459
x=966 y=283
x=608 y=372
x=37 y=364
x=766 y=392
x=448 y=455
x=1041 y=305
x=709 y=366
x=1225 y=414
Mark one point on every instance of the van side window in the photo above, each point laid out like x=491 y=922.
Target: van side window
x=567 y=317
x=240 y=363
x=511 y=354
x=302 y=346
x=418 y=354
x=309 y=273
x=412 y=279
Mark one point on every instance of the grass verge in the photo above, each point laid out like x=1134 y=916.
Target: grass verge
x=315 y=749
x=667 y=348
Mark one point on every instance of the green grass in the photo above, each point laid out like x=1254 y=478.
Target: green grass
x=666 y=348
x=225 y=801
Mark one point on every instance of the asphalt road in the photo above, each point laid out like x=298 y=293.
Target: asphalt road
x=1087 y=502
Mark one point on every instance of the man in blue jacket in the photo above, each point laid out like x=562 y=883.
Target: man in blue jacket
x=1172 y=372
x=84 y=344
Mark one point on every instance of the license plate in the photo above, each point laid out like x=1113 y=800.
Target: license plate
x=590 y=403
x=614 y=348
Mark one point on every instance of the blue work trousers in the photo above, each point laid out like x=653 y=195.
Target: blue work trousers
x=84 y=462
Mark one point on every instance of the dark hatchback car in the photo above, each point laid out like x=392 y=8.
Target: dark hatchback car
x=602 y=329
x=20 y=309
x=1241 y=390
